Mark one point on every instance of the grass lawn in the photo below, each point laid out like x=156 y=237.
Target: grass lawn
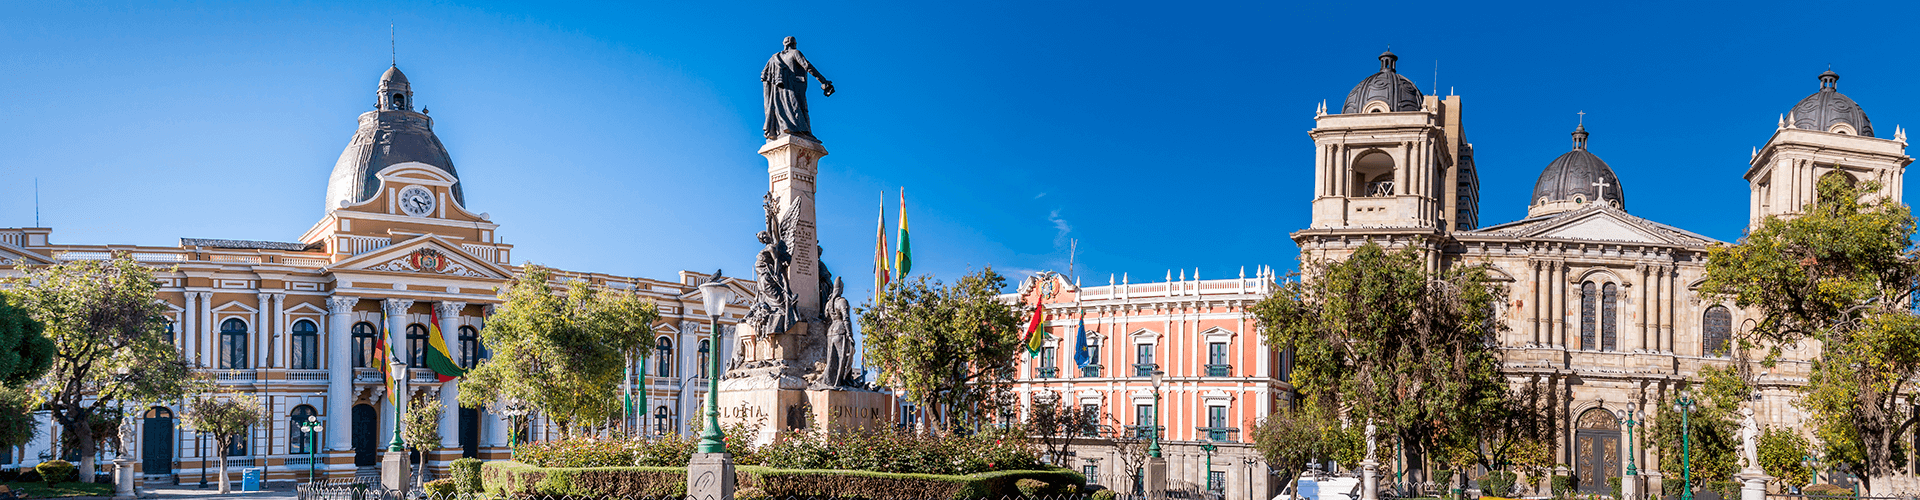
x=41 y=490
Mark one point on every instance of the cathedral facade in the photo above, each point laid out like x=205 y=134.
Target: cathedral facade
x=1602 y=311
x=396 y=252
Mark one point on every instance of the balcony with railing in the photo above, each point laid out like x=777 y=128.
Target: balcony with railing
x=308 y=375
x=1219 y=434
x=1090 y=371
x=1144 y=369
x=1219 y=370
x=1144 y=431
x=1047 y=372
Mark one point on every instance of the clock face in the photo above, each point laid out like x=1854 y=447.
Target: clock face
x=416 y=201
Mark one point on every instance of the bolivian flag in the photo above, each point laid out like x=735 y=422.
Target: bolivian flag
x=903 y=259
x=438 y=357
x=383 y=356
x=1036 y=331
x=881 y=272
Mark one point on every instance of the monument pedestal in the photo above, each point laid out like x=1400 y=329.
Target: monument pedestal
x=1630 y=487
x=1156 y=478
x=760 y=401
x=393 y=472
x=1753 y=484
x=1369 y=480
x=122 y=479
x=710 y=477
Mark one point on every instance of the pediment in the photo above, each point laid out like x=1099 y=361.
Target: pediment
x=1608 y=224
x=13 y=256
x=424 y=254
x=742 y=295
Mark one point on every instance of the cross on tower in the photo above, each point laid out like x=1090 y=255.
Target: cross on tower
x=1583 y=117
x=1603 y=185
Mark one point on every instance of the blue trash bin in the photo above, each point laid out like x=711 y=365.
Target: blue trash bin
x=250 y=478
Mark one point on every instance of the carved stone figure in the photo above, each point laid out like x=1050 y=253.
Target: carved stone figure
x=1370 y=441
x=1749 y=438
x=773 y=308
x=783 y=85
x=126 y=437
x=839 y=337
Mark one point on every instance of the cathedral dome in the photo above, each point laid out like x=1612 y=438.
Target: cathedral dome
x=1830 y=111
x=1392 y=91
x=1574 y=179
x=390 y=134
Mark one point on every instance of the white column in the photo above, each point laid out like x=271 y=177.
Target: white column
x=263 y=329
x=205 y=336
x=449 y=392
x=187 y=334
x=339 y=340
x=283 y=330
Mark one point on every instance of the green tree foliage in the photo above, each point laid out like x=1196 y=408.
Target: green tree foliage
x=25 y=351
x=1782 y=455
x=420 y=428
x=1289 y=439
x=109 y=342
x=1713 y=425
x=1383 y=338
x=951 y=349
x=1053 y=424
x=225 y=418
x=559 y=351
x=17 y=423
x=1842 y=275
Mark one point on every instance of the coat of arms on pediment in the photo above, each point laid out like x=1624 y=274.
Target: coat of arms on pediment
x=427 y=260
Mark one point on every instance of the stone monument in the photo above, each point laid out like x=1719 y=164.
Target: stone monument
x=793 y=365
x=1753 y=479
x=123 y=464
x=1370 y=469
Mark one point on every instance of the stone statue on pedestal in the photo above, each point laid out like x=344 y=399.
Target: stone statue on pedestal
x=783 y=86
x=1749 y=438
x=839 y=337
x=773 y=308
x=1370 y=441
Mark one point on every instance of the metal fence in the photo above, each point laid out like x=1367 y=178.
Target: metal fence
x=892 y=496
x=359 y=488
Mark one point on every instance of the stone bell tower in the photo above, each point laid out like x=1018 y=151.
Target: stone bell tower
x=1826 y=133
x=1392 y=158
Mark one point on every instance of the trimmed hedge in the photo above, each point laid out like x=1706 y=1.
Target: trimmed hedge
x=439 y=488
x=1497 y=483
x=1562 y=485
x=1728 y=490
x=506 y=478
x=57 y=471
x=1827 y=490
x=466 y=475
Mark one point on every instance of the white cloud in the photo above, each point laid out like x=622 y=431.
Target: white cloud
x=1060 y=227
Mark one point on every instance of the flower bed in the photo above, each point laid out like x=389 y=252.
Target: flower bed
x=875 y=451
x=515 y=478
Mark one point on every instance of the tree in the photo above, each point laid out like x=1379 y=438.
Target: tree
x=1055 y=423
x=950 y=349
x=17 y=423
x=1713 y=426
x=225 y=419
x=1783 y=455
x=562 y=354
x=1130 y=450
x=1842 y=275
x=420 y=429
x=1390 y=342
x=1291 y=439
x=109 y=342
x=25 y=351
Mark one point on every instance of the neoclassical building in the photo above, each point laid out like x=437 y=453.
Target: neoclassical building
x=396 y=248
x=1602 y=310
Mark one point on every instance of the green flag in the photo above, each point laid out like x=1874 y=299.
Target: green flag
x=903 y=258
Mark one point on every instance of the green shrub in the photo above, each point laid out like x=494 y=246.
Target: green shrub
x=439 y=489
x=1032 y=487
x=29 y=475
x=751 y=494
x=1728 y=490
x=1562 y=484
x=1103 y=495
x=520 y=479
x=1497 y=483
x=1671 y=487
x=56 y=471
x=1827 y=490
x=1443 y=477
x=1613 y=484
x=466 y=475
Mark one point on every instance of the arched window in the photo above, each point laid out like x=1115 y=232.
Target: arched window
x=704 y=346
x=233 y=344
x=365 y=338
x=661 y=420
x=1588 y=330
x=399 y=101
x=305 y=350
x=1716 y=331
x=1609 y=325
x=299 y=441
x=169 y=333
x=469 y=347
x=416 y=345
x=665 y=368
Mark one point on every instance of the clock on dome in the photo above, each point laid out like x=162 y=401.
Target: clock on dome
x=416 y=201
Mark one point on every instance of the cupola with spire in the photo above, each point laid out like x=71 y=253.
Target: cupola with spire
x=1574 y=180
x=391 y=134
x=395 y=93
x=1830 y=111
x=1385 y=91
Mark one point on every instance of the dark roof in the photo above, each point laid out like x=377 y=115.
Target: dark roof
x=1397 y=91
x=243 y=244
x=393 y=74
x=1574 y=173
x=1827 y=107
x=385 y=138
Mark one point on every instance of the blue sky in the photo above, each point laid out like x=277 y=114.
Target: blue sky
x=620 y=138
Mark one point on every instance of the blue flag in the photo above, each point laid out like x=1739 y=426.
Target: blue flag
x=1080 y=355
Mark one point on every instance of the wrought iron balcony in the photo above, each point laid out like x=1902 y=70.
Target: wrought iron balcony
x=1220 y=434
x=1090 y=371
x=1144 y=369
x=1144 y=431
x=1048 y=372
x=1219 y=370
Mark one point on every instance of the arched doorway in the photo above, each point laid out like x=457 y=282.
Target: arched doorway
x=1596 y=448
x=366 y=431
x=156 y=442
x=470 y=432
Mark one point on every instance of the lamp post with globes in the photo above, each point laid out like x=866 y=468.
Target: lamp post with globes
x=714 y=295
x=311 y=426
x=1153 y=429
x=1684 y=404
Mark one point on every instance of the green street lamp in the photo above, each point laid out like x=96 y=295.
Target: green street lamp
x=400 y=375
x=714 y=295
x=1632 y=468
x=311 y=426
x=1209 y=447
x=1153 y=448
x=1684 y=404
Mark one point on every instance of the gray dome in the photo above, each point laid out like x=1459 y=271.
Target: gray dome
x=389 y=135
x=1822 y=110
x=1387 y=86
x=1571 y=178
